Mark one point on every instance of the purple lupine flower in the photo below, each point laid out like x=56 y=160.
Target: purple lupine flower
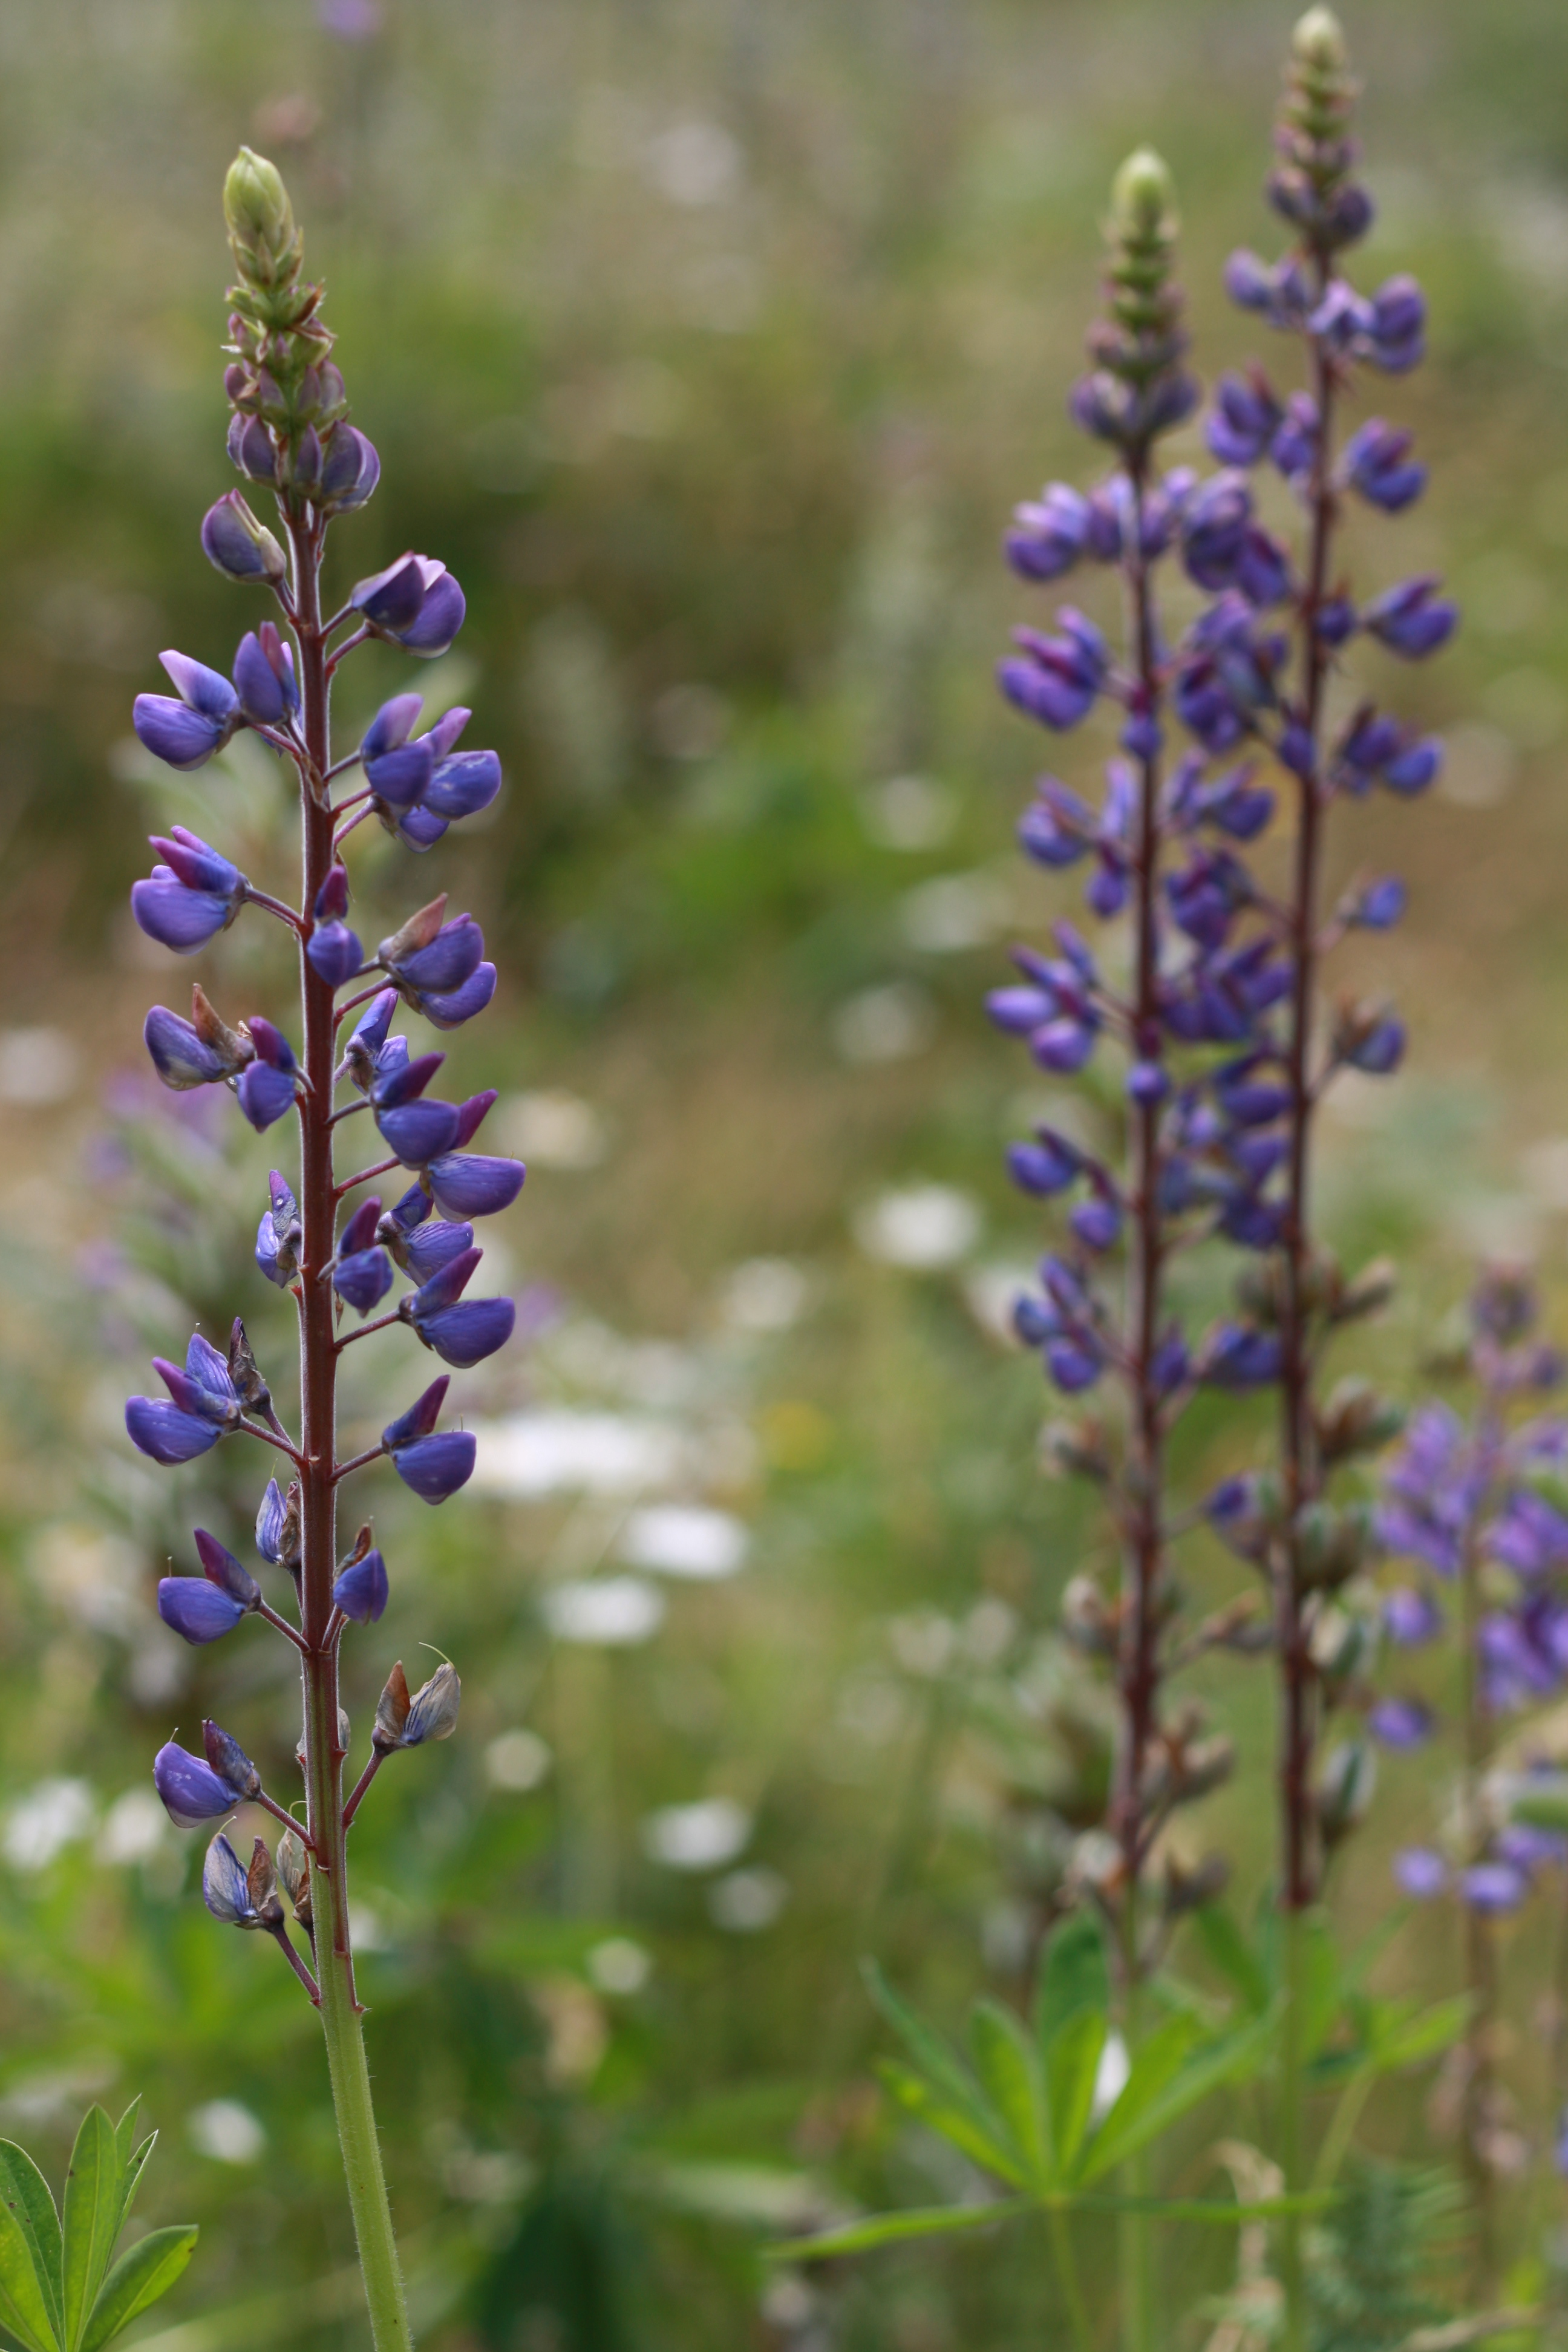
x=439 y=967
x=1412 y=620
x=466 y=1185
x=361 y=1589
x=240 y=547
x=186 y=733
x=462 y=1331
x=362 y=1271
x=190 y=1788
x=268 y=1086
x=280 y=1235
x=1294 y=449
x=195 y=1610
x=192 y=897
x=1396 y=339
x=1400 y=1723
x=1421 y=1872
x=201 y=1052
x=229 y=1760
x=225 y=1886
x=264 y=677
x=1057 y=679
x=414 y=603
x=1213 y=529
x=1046 y=1166
x=433 y=1463
x=398 y=771
x=431 y=1713
x=250 y=448
x=1048 y=536
x=1341 y=320
x=227 y=1574
x=334 y=954
x=349 y=471
x=416 y=1129
x=1379 y=905
x=203 y=1406
x=278 y=1527
x=1376 y=461
x=420 y=1244
x=1376 y=1046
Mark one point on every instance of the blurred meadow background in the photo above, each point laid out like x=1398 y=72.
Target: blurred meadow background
x=710 y=342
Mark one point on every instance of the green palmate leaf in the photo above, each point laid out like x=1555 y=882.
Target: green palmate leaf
x=26 y=2192
x=945 y=2071
x=1009 y=2068
x=1224 y=1940
x=148 y=2271
x=1074 y=1977
x=132 y=2159
x=93 y=2197
x=1166 y=2080
x=887 y=2229
x=26 y=2312
x=983 y=2140
x=1072 y=2066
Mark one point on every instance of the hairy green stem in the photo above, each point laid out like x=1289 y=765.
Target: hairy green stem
x=1071 y=2284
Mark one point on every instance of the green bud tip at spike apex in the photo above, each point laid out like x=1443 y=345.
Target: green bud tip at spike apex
x=1143 y=196
x=257 y=208
x=1319 y=40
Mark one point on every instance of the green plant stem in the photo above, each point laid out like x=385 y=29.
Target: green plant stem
x=1134 y=2230
x=1292 y=2068
x=340 y=2008
x=1071 y=2284
x=1342 y=2129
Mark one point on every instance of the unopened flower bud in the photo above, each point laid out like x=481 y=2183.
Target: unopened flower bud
x=248 y=1385
x=261 y=1886
x=1078 y=1447
x=240 y=547
x=294 y=1870
x=1088 y=1623
x=1369 y=1291
x=229 y=1760
x=1345 y=1789
x=266 y=243
x=1356 y=1420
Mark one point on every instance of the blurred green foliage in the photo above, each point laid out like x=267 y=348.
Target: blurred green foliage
x=710 y=342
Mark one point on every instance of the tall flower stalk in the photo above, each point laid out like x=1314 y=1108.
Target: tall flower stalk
x=289 y=433
x=1303 y=1295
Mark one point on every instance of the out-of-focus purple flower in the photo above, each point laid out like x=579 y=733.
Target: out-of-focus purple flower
x=1397 y=337
x=1075 y=1362
x=1379 y=905
x=1244 y=418
x=414 y=603
x=433 y=1463
x=190 y=1788
x=1341 y=318
x=462 y=1331
x=1213 y=528
x=1055 y=679
x=1412 y=620
x=1235 y=1356
x=1400 y=1723
x=240 y=547
x=1294 y=449
x=280 y=1235
x=1335 y=621
x=185 y=734
x=1377 y=463
x=191 y=895
x=1528 y=1534
x=1421 y=1872
x=264 y=675
x=361 y=1589
x=1279 y=295
x=1493 y=1887
x=1048 y=535
x=1411 y=1616
x=1376 y=1046
x=349 y=470
x=267 y=1088
x=1046 y=1166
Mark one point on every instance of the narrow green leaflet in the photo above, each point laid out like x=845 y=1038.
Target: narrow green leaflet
x=1224 y=1939
x=1167 y=2079
x=1072 y=2067
x=946 y=2072
x=887 y=2229
x=24 y=2310
x=148 y=2271
x=1406 y=2040
x=91 y=2220
x=1075 y=1976
x=982 y=2141
x=1008 y=2067
x=26 y=2192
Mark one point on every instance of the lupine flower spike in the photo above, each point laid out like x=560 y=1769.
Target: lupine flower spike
x=290 y=439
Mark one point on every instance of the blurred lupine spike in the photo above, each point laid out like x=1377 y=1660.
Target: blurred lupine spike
x=288 y=431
